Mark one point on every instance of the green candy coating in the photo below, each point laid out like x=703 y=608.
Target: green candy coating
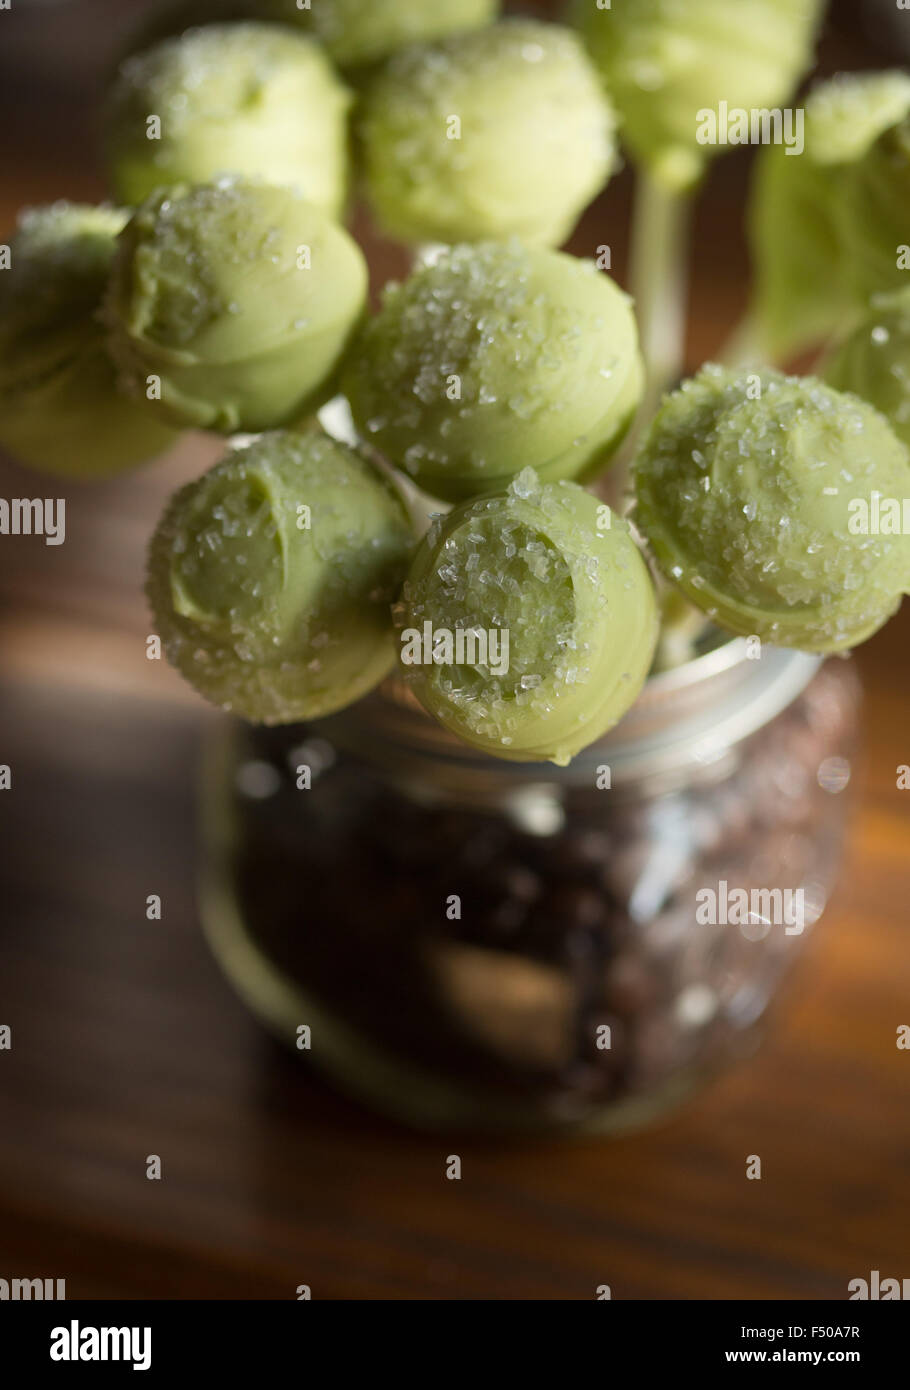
x=504 y=132
x=60 y=410
x=358 y=32
x=492 y=359
x=747 y=504
x=271 y=578
x=253 y=100
x=825 y=227
x=240 y=298
x=873 y=361
x=875 y=213
x=664 y=61
x=560 y=574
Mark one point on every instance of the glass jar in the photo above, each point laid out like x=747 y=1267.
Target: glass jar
x=468 y=942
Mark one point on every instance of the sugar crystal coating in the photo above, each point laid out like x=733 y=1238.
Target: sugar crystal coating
x=487 y=135
x=246 y=99
x=553 y=584
x=271 y=578
x=60 y=409
x=665 y=61
x=240 y=298
x=492 y=359
x=747 y=502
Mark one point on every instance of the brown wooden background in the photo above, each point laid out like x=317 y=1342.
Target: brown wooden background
x=127 y=1042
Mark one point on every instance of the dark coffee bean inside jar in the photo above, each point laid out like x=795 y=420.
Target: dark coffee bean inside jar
x=510 y=946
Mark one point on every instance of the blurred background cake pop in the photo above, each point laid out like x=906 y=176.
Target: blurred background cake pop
x=826 y=229
x=487 y=135
x=360 y=32
x=248 y=99
x=873 y=360
x=665 y=62
x=356 y=34
x=60 y=409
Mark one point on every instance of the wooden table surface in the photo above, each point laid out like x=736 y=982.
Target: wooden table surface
x=127 y=1041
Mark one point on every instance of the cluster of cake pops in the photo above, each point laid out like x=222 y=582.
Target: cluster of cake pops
x=502 y=377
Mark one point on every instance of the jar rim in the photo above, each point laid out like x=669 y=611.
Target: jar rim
x=692 y=714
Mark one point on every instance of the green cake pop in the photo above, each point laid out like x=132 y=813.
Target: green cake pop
x=494 y=358
x=875 y=212
x=60 y=409
x=748 y=501
x=665 y=62
x=271 y=578
x=873 y=360
x=239 y=298
x=826 y=228
x=249 y=99
x=528 y=621
x=355 y=33
x=504 y=132
x=359 y=32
